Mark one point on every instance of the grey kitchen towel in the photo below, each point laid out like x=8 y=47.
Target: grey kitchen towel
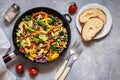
x=5 y=74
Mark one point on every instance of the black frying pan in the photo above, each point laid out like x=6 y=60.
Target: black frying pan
x=64 y=18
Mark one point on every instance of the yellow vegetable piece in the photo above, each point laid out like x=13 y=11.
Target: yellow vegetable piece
x=50 y=26
x=30 y=50
x=53 y=57
x=33 y=55
x=27 y=26
x=46 y=21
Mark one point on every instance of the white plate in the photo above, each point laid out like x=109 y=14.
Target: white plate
x=108 y=24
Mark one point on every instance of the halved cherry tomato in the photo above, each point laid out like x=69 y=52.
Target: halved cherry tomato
x=19 y=68
x=33 y=71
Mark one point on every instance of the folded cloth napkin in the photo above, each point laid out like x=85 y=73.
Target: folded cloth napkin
x=5 y=74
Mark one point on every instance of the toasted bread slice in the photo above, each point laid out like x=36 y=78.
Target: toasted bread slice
x=92 y=28
x=92 y=12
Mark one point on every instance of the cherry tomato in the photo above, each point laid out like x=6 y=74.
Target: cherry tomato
x=33 y=71
x=19 y=68
x=72 y=8
x=21 y=50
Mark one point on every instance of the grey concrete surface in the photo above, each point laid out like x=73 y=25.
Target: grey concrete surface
x=100 y=59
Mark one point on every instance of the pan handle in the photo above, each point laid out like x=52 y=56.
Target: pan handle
x=68 y=17
x=7 y=57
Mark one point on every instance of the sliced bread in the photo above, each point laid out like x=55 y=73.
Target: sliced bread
x=92 y=12
x=92 y=27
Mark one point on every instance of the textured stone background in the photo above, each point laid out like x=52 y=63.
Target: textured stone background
x=100 y=59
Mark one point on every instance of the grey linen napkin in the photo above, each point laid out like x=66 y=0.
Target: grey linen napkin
x=5 y=74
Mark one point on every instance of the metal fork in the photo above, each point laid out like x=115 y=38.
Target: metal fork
x=72 y=50
x=68 y=68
